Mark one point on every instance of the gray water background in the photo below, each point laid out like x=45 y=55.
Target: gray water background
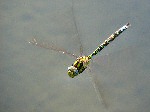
x=33 y=79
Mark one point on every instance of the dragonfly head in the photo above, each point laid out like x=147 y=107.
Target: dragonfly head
x=72 y=71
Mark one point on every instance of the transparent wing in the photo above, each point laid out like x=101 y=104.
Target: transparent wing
x=100 y=66
x=77 y=32
x=92 y=79
x=98 y=90
x=51 y=47
x=105 y=57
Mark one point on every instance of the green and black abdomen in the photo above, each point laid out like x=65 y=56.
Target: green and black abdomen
x=108 y=40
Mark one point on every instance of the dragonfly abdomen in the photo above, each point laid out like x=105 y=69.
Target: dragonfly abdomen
x=108 y=40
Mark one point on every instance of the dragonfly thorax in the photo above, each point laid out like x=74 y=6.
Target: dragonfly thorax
x=78 y=66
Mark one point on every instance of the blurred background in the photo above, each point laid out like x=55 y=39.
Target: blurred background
x=33 y=79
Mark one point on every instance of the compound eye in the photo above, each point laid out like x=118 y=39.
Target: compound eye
x=71 y=74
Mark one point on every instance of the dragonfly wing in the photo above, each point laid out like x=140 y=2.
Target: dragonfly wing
x=105 y=58
x=98 y=90
x=77 y=32
x=51 y=47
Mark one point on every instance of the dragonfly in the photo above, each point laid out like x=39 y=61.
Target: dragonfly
x=82 y=62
